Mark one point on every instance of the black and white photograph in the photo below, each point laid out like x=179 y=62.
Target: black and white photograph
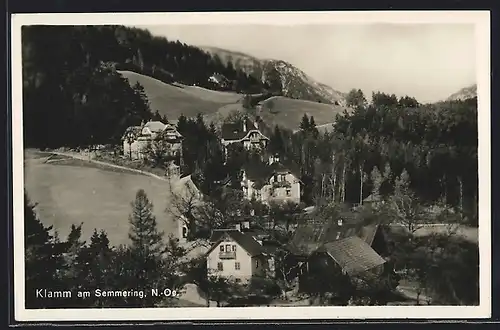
x=284 y=165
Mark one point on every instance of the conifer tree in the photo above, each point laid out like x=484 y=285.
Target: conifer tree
x=146 y=250
x=304 y=124
x=97 y=273
x=43 y=259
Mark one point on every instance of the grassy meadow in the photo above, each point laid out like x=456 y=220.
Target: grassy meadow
x=174 y=100
x=75 y=191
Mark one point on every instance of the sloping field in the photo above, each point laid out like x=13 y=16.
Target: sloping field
x=288 y=112
x=173 y=100
x=98 y=197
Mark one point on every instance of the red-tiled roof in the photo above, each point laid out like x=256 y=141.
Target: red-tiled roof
x=353 y=255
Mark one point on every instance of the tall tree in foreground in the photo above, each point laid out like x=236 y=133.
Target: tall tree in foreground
x=146 y=250
x=43 y=259
x=97 y=272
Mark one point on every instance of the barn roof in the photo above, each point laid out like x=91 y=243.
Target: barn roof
x=311 y=234
x=353 y=255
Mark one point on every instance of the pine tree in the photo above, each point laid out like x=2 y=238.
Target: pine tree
x=147 y=248
x=312 y=128
x=43 y=259
x=74 y=267
x=304 y=124
x=96 y=258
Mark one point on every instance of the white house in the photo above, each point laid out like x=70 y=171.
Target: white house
x=238 y=255
x=271 y=182
x=137 y=138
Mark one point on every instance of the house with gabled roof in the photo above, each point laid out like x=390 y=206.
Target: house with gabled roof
x=352 y=256
x=271 y=182
x=353 y=248
x=245 y=131
x=313 y=233
x=136 y=139
x=239 y=255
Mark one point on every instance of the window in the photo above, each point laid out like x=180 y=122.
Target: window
x=222 y=248
x=275 y=178
x=184 y=232
x=228 y=248
x=237 y=265
x=220 y=266
x=288 y=191
x=283 y=177
x=234 y=248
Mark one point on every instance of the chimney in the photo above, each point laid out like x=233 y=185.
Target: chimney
x=256 y=125
x=244 y=125
x=237 y=227
x=339 y=222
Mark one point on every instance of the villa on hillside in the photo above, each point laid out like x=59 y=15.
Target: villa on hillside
x=271 y=181
x=137 y=138
x=246 y=132
x=219 y=80
x=238 y=254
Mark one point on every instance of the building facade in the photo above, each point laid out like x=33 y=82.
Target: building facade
x=136 y=139
x=271 y=182
x=235 y=254
x=246 y=132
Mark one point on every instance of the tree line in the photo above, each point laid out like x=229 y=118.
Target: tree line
x=73 y=95
x=436 y=144
x=149 y=261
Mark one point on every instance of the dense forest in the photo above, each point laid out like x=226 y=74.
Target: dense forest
x=435 y=144
x=73 y=94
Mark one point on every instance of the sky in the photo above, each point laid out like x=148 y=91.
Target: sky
x=427 y=61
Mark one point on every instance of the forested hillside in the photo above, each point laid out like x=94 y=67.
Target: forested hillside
x=433 y=146
x=73 y=95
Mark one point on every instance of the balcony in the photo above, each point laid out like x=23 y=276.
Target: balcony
x=227 y=255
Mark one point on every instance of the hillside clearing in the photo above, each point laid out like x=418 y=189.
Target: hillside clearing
x=174 y=100
x=98 y=197
x=288 y=112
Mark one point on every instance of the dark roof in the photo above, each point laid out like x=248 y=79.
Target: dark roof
x=311 y=234
x=235 y=131
x=217 y=234
x=246 y=241
x=353 y=255
x=262 y=171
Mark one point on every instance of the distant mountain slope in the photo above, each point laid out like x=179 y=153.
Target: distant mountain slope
x=244 y=62
x=173 y=100
x=464 y=94
x=295 y=83
x=287 y=112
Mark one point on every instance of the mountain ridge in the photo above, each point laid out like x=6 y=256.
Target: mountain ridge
x=464 y=93
x=295 y=83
